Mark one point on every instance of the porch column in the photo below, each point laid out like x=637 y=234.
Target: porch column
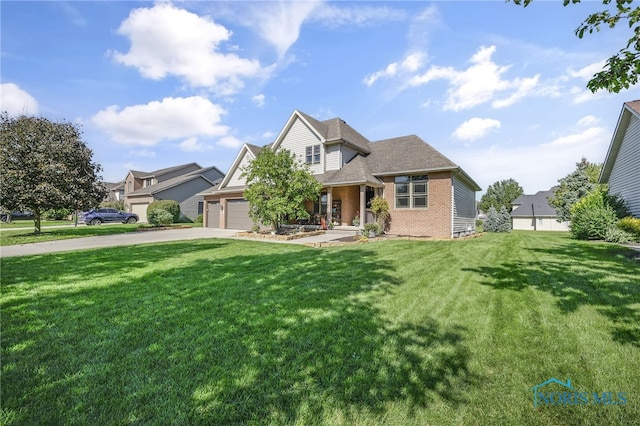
x=363 y=205
x=329 y=205
x=205 y=213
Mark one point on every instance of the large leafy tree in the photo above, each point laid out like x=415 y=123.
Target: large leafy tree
x=622 y=69
x=45 y=165
x=500 y=194
x=277 y=187
x=574 y=186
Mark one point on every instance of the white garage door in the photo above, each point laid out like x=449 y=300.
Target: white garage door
x=140 y=210
x=238 y=215
x=213 y=214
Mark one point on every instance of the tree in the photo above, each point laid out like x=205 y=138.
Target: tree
x=500 y=194
x=622 y=69
x=497 y=221
x=592 y=216
x=574 y=186
x=278 y=186
x=380 y=210
x=45 y=165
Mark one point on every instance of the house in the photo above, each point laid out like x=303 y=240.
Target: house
x=428 y=194
x=181 y=183
x=621 y=169
x=533 y=212
x=115 y=191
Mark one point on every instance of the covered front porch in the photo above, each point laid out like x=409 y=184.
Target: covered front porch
x=343 y=207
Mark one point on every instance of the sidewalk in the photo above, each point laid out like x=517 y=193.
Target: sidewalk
x=149 y=237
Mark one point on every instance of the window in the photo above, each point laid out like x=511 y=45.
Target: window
x=200 y=207
x=412 y=192
x=312 y=154
x=148 y=182
x=320 y=205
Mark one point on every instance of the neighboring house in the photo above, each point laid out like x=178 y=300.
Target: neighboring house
x=428 y=194
x=533 y=212
x=181 y=183
x=115 y=191
x=621 y=168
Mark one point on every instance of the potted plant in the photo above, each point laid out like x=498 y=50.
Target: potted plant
x=356 y=220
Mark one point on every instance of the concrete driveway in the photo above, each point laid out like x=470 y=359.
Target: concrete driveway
x=148 y=237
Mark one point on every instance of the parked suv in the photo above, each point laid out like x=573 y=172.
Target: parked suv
x=98 y=216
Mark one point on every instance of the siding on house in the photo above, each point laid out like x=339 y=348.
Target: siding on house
x=186 y=195
x=333 y=158
x=299 y=137
x=464 y=208
x=235 y=179
x=624 y=179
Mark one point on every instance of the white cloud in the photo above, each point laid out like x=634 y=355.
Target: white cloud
x=171 y=118
x=145 y=153
x=475 y=128
x=193 y=145
x=258 y=100
x=268 y=135
x=411 y=63
x=534 y=167
x=481 y=82
x=587 y=72
x=332 y=15
x=230 y=142
x=588 y=120
x=166 y=40
x=16 y=101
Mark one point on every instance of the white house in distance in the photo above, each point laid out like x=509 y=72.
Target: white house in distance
x=621 y=168
x=533 y=213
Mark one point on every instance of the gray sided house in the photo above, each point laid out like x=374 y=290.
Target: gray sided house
x=181 y=183
x=428 y=194
x=621 y=168
x=533 y=213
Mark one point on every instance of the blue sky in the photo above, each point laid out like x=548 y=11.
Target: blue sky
x=499 y=89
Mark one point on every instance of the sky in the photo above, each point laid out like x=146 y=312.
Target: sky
x=497 y=88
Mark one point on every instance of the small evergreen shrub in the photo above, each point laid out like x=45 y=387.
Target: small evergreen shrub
x=198 y=219
x=592 y=217
x=170 y=206
x=630 y=225
x=497 y=221
x=368 y=227
x=159 y=217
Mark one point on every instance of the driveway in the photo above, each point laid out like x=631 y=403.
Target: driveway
x=148 y=237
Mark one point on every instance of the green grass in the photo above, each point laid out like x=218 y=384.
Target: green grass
x=29 y=223
x=12 y=237
x=397 y=333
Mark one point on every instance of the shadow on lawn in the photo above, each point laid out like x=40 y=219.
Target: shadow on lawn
x=279 y=338
x=580 y=273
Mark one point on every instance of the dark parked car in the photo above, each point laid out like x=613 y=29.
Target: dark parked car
x=98 y=216
x=5 y=217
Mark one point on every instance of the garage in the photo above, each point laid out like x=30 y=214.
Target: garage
x=140 y=210
x=213 y=214
x=238 y=215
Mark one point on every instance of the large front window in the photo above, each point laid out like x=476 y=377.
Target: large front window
x=312 y=154
x=412 y=192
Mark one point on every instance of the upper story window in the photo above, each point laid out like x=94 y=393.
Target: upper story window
x=412 y=192
x=130 y=186
x=148 y=182
x=312 y=154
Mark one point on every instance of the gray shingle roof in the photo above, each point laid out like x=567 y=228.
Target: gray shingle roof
x=536 y=205
x=355 y=171
x=404 y=155
x=170 y=183
x=336 y=129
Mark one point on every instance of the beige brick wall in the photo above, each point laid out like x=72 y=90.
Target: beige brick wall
x=434 y=221
x=349 y=197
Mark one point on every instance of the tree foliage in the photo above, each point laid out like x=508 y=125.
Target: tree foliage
x=45 y=165
x=500 y=194
x=170 y=206
x=574 y=186
x=380 y=210
x=497 y=221
x=592 y=216
x=622 y=69
x=278 y=186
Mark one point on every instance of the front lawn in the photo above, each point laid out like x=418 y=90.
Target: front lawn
x=395 y=332
x=22 y=236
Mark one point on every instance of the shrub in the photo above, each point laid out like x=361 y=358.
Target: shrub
x=630 y=225
x=380 y=210
x=57 y=214
x=198 y=219
x=618 y=204
x=372 y=227
x=592 y=216
x=617 y=235
x=497 y=221
x=159 y=217
x=113 y=205
x=170 y=206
